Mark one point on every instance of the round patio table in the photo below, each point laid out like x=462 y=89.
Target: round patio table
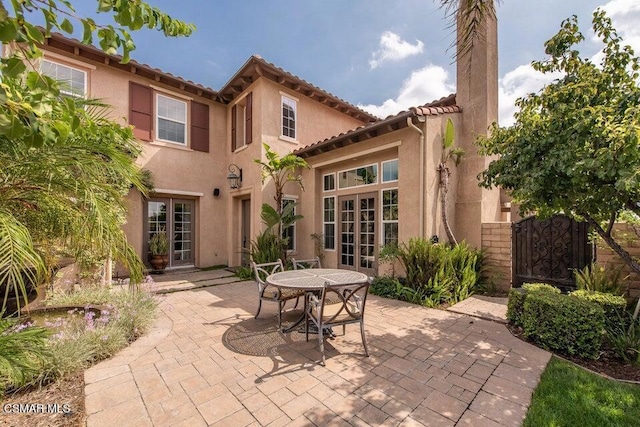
x=313 y=280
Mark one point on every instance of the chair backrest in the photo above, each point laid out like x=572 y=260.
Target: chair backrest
x=352 y=297
x=261 y=271
x=301 y=264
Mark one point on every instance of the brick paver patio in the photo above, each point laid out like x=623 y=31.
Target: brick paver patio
x=208 y=362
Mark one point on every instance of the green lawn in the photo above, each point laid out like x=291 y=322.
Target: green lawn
x=570 y=396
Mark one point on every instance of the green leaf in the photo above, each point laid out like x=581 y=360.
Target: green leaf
x=8 y=30
x=13 y=67
x=33 y=33
x=105 y=6
x=66 y=26
x=449 y=134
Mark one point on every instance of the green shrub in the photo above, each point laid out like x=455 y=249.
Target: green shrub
x=385 y=286
x=23 y=352
x=266 y=248
x=599 y=278
x=613 y=305
x=244 y=273
x=81 y=338
x=623 y=336
x=437 y=273
x=515 y=304
x=560 y=322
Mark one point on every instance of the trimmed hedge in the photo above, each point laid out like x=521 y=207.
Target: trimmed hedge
x=564 y=323
x=613 y=305
x=515 y=305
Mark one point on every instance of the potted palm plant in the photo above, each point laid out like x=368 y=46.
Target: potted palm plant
x=159 y=248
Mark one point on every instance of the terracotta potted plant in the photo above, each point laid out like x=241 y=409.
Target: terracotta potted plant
x=159 y=248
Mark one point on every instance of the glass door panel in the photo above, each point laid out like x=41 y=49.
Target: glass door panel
x=156 y=221
x=358 y=232
x=367 y=242
x=347 y=232
x=182 y=233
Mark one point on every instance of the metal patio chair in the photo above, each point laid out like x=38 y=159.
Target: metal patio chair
x=337 y=305
x=271 y=293
x=300 y=264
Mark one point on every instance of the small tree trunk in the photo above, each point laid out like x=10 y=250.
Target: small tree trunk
x=444 y=189
x=620 y=251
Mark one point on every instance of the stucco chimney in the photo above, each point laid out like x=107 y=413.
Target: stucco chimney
x=477 y=94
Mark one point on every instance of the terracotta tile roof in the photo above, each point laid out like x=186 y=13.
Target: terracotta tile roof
x=445 y=105
x=257 y=67
x=77 y=48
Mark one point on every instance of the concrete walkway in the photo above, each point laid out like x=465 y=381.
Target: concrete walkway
x=208 y=362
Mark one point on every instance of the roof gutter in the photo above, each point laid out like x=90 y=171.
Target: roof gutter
x=422 y=198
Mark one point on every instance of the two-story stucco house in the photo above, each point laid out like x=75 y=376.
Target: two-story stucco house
x=371 y=181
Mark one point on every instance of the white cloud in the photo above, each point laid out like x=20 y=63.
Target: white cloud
x=424 y=85
x=517 y=84
x=393 y=48
x=626 y=15
x=523 y=80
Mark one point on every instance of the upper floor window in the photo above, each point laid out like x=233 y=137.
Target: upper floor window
x=167 y=120
x=171 y=116
x=73 y=82
x=288 y=117
x=241 y=122
x=390 y=170
x=359 y=176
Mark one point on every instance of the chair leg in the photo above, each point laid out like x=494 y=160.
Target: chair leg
x=364 y=340
x=344 y=329
x=280 y=306
x=259 y=307
x=321 y=340
x=297 y=301
x=306 y=325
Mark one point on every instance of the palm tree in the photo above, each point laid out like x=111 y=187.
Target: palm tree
x=470 y=15
x=449 y=152
x=63 y=183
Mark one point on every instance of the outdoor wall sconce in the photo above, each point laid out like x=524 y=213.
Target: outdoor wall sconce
x=235 y=176
x=216 y=192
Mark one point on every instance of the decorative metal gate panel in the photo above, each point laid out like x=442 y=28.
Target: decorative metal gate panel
x=547 y=251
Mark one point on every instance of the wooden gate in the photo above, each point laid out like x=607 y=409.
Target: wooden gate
x=547 y=251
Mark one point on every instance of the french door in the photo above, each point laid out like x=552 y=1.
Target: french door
x=176 y=218
x=357 y=231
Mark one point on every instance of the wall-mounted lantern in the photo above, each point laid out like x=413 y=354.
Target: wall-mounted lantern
x=235 y=176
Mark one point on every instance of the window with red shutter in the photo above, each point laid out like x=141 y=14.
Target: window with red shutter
x=141 y=110
x=199 y=127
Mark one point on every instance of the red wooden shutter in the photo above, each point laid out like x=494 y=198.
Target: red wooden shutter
x=141 y=110
x=249 y=113
x=233 y=128
x=199 y=127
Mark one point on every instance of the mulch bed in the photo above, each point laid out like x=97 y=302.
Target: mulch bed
x=607 y=364
x=68 y=390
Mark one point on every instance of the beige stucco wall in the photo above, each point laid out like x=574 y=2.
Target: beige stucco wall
x=177 y=170
x=314 y=121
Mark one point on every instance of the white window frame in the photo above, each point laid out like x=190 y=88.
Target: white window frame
x=62 y=90
x=334 y=222
x=382 y=180
x=382 y=220
x=355 y=168
x=294 y=199
x=293 y=104
x=158 y=117
x=324 y=190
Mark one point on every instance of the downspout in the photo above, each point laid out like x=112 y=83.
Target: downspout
x=421 y=214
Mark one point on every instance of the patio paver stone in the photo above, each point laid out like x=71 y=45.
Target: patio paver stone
x=207 y=362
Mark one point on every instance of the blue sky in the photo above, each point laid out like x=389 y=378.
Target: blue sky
x=383 y=55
